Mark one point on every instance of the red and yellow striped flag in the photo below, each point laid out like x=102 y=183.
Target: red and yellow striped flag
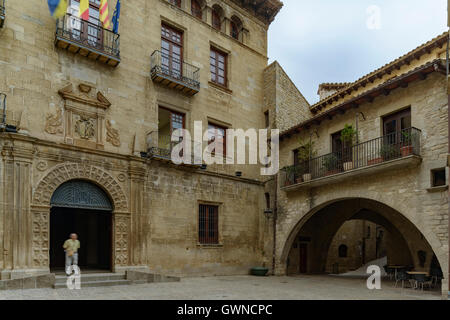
x=104 y=14
x=84 y=9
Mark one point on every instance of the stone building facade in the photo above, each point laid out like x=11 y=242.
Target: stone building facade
x=405 y=192
x=85 y=105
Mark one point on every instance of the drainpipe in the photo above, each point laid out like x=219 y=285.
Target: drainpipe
x=448 y=109
x=275 y=218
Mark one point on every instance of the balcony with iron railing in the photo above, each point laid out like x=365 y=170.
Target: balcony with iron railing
x=88 y=39
x=392 y=151
x=2 y=13
x=174 y=73
x=9 y=120
x=160 y=147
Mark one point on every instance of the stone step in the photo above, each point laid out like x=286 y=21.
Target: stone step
x=94 y=277
x=98 y=283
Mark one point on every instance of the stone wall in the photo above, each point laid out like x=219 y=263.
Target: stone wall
x=285 y=103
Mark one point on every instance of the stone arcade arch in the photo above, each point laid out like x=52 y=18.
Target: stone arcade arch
x=331 y=214
x=41 y=206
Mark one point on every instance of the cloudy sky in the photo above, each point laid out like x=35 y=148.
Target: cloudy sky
x=341 y=40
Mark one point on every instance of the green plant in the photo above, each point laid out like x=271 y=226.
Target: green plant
x=407 y=137
x=330 y=162
x=348 y=135
x=305 y=153
x=388 y=151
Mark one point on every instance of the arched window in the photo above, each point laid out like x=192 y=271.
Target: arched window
x=235 y=28
x=196 y=9
x=343 y=251
x=216 y=18
x=176 y=3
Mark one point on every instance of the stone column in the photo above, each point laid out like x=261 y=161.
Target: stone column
x=16 y=216
x=139 y=221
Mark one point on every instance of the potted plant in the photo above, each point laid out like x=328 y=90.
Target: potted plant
x=388 y=151
x=330 y=163
x=407 y=148
x=305 y=153
x=348 y=135
x=290 y=173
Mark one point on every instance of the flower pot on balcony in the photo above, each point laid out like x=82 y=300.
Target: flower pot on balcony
x=299 y=180
x=374 y=161
x=406 y=151
x=348 y=165
x=307 y=177
x=259 y=271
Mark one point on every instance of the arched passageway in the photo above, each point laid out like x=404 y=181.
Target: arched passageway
x=81 y=207
x=308 y=246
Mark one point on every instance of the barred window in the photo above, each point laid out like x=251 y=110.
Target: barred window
x=208 y=224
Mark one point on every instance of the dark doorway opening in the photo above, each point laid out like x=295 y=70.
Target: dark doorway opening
x=94 y=229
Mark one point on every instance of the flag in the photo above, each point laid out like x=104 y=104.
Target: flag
x=58 y=8
x=116 y=16
x=84 y=10
x=104 y=14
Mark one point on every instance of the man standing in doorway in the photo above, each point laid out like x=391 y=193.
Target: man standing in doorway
x=71 y=247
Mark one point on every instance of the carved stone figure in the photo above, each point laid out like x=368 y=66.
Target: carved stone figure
x=54 y=122
x=112 y=135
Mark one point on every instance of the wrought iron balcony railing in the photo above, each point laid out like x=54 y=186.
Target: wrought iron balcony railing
x=174 y=73
x=88 y=39
x=161 y=146
x=9 y=120
x=366 y=154
x=2 y=13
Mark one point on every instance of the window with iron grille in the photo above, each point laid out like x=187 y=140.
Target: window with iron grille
x=208 y=224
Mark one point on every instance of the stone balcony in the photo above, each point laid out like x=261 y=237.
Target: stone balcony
x=88 y=39
x=391 y=152
x=170 y=72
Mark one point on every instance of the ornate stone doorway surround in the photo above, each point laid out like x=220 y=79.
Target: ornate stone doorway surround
x=40 y=211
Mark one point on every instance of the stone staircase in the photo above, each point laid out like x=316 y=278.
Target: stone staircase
x=114 y=279
x=97 y=280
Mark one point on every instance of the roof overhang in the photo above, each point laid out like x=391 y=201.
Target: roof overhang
x=388 y=69
x=265 y=10
x=402 y=81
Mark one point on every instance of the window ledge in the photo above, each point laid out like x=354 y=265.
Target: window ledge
x=218 y=86
x=210 y=246
x=438 y=189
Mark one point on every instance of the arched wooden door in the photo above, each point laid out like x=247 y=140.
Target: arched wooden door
x=83 y=208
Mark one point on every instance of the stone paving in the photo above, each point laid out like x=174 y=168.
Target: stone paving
x=305 y=287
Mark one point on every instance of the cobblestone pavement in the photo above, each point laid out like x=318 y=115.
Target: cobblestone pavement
x=234 y=287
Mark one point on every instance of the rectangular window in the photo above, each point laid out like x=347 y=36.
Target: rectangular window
x=394 y=124
x=208 y=224
x=218 y=67
x=171 y=52
x=168 y=122
x=438 y=177
x=218 y=135
x=267 y=195
x=90 y=31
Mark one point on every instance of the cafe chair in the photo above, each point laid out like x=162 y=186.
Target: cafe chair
x=401 y=276
x=421 y=281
